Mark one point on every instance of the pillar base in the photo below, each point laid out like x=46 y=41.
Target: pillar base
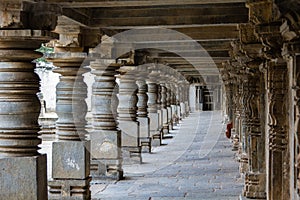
x=255 y=186
x=24 y=178
x=146 y=144
x=105 y=169
x=157 y=139
x=243 y=163
x=69 y=189
x=132 y=155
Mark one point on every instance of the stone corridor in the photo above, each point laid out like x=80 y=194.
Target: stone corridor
x=178 y=169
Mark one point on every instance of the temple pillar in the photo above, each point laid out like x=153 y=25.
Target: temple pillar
x=291 y=54
x=182 y=100
x=277 y=130
x=71 y=150
x=23 y=169
x=142 y=112
x=127 y=116
x=168 y=104
x=152 y=109
x=175 y=118
x=106 y=161
x=255 y=178
x=164 y=109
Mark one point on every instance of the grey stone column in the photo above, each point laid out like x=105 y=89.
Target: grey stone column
x=175 y=118
x=159 y=109
x=168 y=104
x=71 y=152
x=23 y=170
x=153 y=109
x=106 y=155
x=182 y=94
x=164 y=109
x=142 y=112
x=186 y=99
x=127 y=116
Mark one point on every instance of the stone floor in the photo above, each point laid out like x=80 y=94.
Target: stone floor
x=196 y=163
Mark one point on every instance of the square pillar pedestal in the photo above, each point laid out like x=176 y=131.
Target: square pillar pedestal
x=24 y=178
x=131 y=149
x=70 y=170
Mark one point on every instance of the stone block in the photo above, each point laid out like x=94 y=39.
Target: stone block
x=144 y=127
x=105 y=144
x=154 y=123
x=182 y=109
x=179 y=112
x=70 y=159
x=169 y=109
x=23 y=178
x=130 y=133
x=106 y=169
x=165 y=116
x=69 y=189
x=132 y=155
x=160 y=119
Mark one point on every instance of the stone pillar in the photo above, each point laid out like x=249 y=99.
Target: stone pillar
x=277 y=137
x=182 y=100
x=244 y=124
x=159 y=109
x=178 y=100
x=255 y=178
x=168 y=104
x=186 y=98
x=164 y=109
x=127 y=116
x=152 y=109
x=71 y=152
x=291 y=54
x=23 y=169
x=142 y=112
x=175 y=118
x=106 y=159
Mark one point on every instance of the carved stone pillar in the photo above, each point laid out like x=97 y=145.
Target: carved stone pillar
x=255 y=178
x=106 y=161
x=277 y=138
x=71 y=152
x=168 y=104
x=174 y=116
x=291 y=52
x=186 y=98
x=244 y=124
x=159 y=109
x=181 y=93
x=23 y=168
x=127 y=116
x=142 y=114
x=153 y=108
x=164 y=109
x=20 y=161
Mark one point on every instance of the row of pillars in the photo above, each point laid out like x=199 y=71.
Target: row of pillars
x=128 y=118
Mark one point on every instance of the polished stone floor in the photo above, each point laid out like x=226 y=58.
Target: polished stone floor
x=196 y=162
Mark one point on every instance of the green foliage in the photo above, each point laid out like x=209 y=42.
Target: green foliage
x=46 y=51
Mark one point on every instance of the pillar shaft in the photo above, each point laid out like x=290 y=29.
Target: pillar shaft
x=153 y=109
x=142 y=114
x=106 y=138
x=71 y=152
x=277 y=131
x=127 y=116
x=19 y=111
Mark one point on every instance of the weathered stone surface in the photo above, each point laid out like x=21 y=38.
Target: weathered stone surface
x=73 y=163
x=23 y=178
x=105 y=144
x=130 y=133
